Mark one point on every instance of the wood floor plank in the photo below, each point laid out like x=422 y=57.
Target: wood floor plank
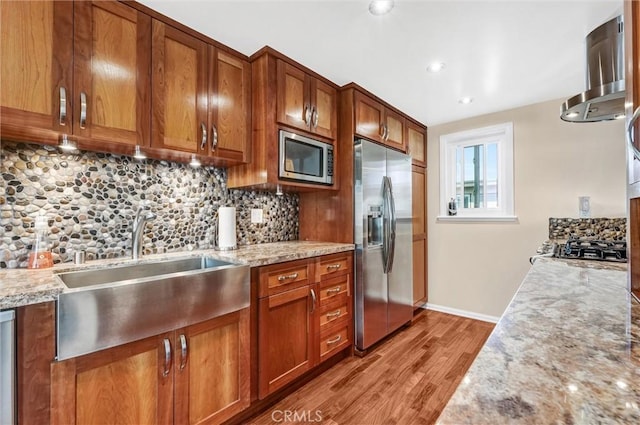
x=407 y=379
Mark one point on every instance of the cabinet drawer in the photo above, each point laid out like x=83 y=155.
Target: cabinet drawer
x=333 y=264
x=283 y=277
x=334 y=313
x=333 y=341
x=334 y=288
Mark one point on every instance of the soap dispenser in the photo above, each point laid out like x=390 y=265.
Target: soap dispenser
x=40 y=256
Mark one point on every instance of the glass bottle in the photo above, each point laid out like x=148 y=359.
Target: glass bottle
x=40 y=256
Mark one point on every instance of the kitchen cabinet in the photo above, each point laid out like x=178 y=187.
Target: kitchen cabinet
x=378 y=122
x=304 y=311
x=36 y=50
x=305 y=102
x=416 y=137
x=108 y=44
x=632 y=102
x=195 y=375
x=112 y=44
x=419 y=225
x=201 y=96
x=285 y=96
x=179 y=87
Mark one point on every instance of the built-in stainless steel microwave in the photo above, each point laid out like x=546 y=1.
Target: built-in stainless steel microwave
x=304 y=159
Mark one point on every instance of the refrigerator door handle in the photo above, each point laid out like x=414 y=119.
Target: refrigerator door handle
x=386 y=234
x=393 y=221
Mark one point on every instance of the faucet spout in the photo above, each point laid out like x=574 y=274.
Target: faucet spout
x=143 y=215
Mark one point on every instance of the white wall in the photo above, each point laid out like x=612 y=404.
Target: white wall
x=477 y=267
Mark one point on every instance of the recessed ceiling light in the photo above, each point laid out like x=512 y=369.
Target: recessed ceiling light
x=436 y=67
x=380 y=7
x=465 y=100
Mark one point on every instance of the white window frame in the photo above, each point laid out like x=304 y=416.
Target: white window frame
x=502 y=135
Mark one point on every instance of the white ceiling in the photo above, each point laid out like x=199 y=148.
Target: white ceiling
x=503 y=54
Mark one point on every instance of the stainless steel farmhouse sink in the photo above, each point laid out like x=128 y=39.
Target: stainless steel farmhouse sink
x=107 y=307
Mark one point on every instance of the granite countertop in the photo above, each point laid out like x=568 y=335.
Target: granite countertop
x=566 y=350
x=20 y=287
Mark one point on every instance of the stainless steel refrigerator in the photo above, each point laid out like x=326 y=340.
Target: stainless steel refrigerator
x=383 y=238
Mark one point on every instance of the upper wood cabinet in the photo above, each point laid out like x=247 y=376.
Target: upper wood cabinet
x=36 y=49
x=305 y=102
x=416 y=137
x=109 y=46
x=179 y=86
x=379 y=123
x=229 y=106
x=285 y=96
x=201 y=96
x=112 y=54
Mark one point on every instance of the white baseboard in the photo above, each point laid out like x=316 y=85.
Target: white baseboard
x=463 y=313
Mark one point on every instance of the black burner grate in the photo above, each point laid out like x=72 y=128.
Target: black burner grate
x=585 y=249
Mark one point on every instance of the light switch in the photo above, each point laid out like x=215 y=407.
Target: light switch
x=256 y=215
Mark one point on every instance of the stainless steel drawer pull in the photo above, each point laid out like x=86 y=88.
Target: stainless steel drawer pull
x=334 y=314
x=333 y=267
x=287 y=276
x=214 y=137
x=203 y=142
x=183 y=354
x=335 y=290
x=83 y=109
x=306 y=116
x=334 y=340
x=167 y=357
x=313 y=300
x=63 y=106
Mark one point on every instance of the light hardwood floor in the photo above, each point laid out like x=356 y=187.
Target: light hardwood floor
x=408 y=379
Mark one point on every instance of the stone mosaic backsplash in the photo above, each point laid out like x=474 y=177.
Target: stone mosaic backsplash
x=90 y=200
x=593 y=228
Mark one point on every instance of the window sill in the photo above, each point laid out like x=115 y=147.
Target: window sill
x=477 y=219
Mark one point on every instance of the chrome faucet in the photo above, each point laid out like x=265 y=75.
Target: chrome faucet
x=142 y=216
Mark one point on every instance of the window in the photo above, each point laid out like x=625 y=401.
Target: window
x=476 y=171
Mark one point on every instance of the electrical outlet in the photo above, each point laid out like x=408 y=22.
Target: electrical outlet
x=256 y=215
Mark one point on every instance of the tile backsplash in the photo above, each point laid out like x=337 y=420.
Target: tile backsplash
x=90 y=200
x=593 y=228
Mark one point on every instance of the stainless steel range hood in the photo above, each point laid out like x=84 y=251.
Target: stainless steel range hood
x=604 y=98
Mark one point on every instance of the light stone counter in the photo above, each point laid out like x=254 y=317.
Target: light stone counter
x=566 y=350
x=20 y=287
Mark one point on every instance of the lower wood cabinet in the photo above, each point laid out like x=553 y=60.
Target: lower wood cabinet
x=304 y=317
x=194 y=375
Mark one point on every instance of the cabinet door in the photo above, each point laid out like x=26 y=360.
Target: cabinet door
x=179 y=87
x=293 y=103
x=395 y=130
x=129 y=384
x=285 y=339
x=419 y=222
x=324 y=112
x=416 y=137
x=212 y=369
x=419 y=272
x=369 y=118
x=229 y=106
x=112 y=59
x=36 y=47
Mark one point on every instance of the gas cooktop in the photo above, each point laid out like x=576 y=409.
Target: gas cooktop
x=586 y=249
